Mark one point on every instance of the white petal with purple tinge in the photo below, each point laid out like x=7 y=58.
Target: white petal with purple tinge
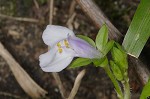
x=58 y=65
x=53 y=34
x=83 y=49
x=47 y=57
x=61 y=61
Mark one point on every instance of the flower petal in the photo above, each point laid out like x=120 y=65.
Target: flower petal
x=47 y=57
x=61 y=61
x=58 y=65
x=83 y=49
x=53 y=34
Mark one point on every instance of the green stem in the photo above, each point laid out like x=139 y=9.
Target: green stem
x=126 y=89
x=114 y=81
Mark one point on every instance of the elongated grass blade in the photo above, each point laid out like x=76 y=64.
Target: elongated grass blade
x=139 y=30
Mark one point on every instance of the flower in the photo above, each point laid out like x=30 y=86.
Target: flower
x=64 y=46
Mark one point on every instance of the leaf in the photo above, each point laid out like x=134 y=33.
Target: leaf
x=108 y=47
x=116 y=71
x=80 y=62
x=119 y=47
x=97 y=62
x=102 y=62
x=87 y=39
x=146 y=91
x=119 y=57
x=139 y=30
x=102 y=37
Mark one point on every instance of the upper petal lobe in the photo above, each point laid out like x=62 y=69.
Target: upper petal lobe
x=53 y=34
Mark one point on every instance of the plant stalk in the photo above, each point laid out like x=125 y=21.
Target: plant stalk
x=126 y=89
x=114 y=81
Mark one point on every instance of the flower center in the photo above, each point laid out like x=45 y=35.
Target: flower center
x=59 y=47
x=66 y=43
x=62 y=44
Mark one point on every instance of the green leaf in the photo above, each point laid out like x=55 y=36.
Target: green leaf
x=139 y=30
x=87 y=39
x=120 y=58
x=108 y=47
x=146 y=91
x=80 y=62
x=119 y=47
x=97 y=62
x=102 y=62
x=116 y=71
x=102 y=37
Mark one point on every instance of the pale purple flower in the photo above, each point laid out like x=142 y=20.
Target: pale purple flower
x=64 y=46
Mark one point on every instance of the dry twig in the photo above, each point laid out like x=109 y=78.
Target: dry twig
x=24 y=80
x=38 y=11
x=141 y=70
x=76 y=84
x=98 y=17
x=60 y=85
x=70 y=21
x=36 y=4
x=51 y=6
x=10 y=95
x=19 y=18
x=72 y=7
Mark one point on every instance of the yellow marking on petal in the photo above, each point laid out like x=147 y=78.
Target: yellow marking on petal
x=66 y=43
x=59 y=45
x=60 y=50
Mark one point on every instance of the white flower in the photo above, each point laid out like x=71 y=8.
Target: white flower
x=64 y=47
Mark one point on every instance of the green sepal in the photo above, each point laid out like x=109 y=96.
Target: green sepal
x=80 y=62
x=116 y=71
x=102 y=37
x=120 y=47
x=102 y=62
x=108 y=47
x=87 y=39
x=120 y=58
